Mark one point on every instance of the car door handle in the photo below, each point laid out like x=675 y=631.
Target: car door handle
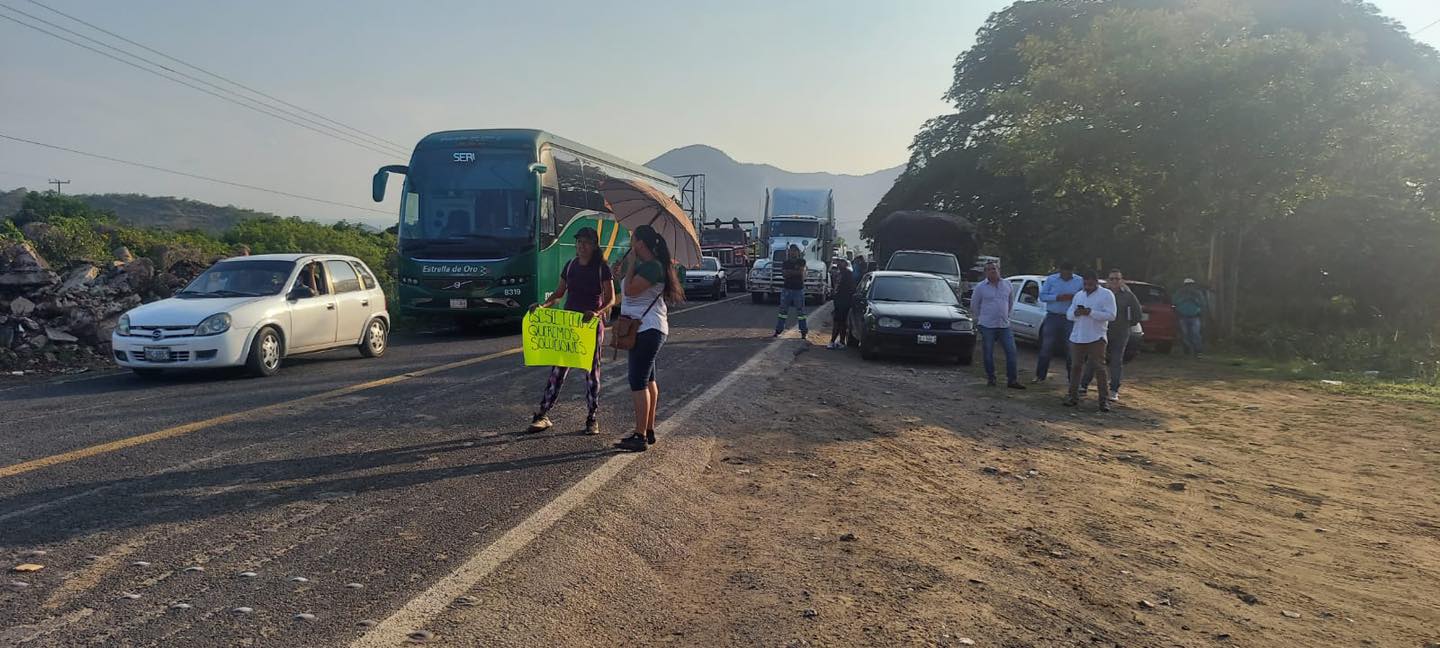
x=330 y=307
x=364 y=302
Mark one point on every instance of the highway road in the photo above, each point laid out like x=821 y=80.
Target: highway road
x=343 y=488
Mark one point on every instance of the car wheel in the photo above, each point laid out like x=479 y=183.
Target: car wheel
x=148 y=374
x=867 y=350
x=376 y=339
x=266 y=350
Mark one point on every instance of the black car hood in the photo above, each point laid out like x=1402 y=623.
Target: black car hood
x=918 y=310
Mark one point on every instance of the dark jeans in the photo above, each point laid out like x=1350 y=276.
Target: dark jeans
x=988 y=336
x=792 y=298
x=1054 y=338
x=1114 y=361
x=642 y=358
x=1190 y=335
x=592 y=381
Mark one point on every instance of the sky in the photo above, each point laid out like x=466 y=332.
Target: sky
x=806 y=85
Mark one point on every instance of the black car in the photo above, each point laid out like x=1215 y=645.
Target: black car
x=910 y=313
x=709 y=279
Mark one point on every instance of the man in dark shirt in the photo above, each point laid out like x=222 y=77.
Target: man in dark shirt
x=1127 y=313
x=792 y=293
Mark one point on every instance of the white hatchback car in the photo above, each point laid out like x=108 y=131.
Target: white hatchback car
x=253 y=311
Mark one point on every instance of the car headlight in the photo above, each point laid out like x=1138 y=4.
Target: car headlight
x=888 y=322
x=214 y=324
x=123 y=326
x=962 y=325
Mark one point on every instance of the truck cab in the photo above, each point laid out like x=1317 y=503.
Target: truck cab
x=800 y=230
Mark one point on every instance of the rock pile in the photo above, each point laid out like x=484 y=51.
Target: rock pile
x=50 y=319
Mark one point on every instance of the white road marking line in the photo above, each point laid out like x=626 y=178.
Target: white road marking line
x=428 y=604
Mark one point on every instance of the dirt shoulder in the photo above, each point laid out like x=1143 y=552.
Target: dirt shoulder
x=832 y=502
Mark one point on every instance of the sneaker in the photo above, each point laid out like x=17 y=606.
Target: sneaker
x=1036 y=381
x=632 y=443
x=990 y=382
x=592 y=427
x=1114 y=398
x=650 y=437
x=1104 y=407
x=1015 y=385
x=540 y=423
x=777 y=334
x=1070 y=402
x=833 y=346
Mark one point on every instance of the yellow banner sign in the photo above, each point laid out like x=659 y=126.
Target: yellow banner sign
x=559 y=338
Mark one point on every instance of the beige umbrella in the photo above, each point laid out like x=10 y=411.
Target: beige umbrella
x=635 y=203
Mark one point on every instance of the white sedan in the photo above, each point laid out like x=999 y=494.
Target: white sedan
x=254 y=311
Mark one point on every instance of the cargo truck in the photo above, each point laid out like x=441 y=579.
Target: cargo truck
x=800 y=217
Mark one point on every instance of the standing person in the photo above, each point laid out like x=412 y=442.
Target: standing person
x=1056 y=292
x=792 y=292
x=859 y=267
x=844 y=297
x=588 y=287
x=992 y=302
x=1091 y=310
x=650 y=286
x=1117 y=334
x=1191 y=304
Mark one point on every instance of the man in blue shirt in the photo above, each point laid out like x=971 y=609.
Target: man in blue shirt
x=859 y=267
x=1056 y=292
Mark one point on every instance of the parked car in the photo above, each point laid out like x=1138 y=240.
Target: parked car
x=254 y=311
x=709 y=279
x=1162 y=324
x=910 y=313
x=942 y=264
x=1029 y=313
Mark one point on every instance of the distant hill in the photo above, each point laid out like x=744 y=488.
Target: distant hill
x=171 y=213
x=737 y=189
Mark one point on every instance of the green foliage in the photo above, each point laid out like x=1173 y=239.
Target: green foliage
x=277 y=235
x=1293 y=144
x=68 y=239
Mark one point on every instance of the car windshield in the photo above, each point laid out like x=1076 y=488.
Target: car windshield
x=931 y=290
x=239 y=278
x=941 y=264
x=468 y=203
x=709 y=263
x=722 y=235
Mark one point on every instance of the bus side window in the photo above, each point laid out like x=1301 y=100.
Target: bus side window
x=549 y=228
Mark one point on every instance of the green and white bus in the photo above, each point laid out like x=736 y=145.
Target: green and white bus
x=488 y=218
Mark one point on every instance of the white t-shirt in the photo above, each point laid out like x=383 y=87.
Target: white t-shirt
x=658 y=318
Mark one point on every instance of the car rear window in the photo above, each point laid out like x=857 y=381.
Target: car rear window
x=943 y=264
x=1151 y=294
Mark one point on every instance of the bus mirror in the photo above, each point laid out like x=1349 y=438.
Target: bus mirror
x=377 y=184
x=538 y=169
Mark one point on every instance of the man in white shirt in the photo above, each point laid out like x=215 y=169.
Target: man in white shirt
x=1091 y=311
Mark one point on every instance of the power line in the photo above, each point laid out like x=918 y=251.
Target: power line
x=260 y=108
x=1417 y=32
x=191 y=175
x=237 y=84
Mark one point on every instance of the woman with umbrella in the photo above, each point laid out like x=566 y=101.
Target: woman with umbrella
x=649 y=287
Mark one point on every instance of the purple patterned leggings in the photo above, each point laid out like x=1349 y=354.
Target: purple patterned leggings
x=592 y=381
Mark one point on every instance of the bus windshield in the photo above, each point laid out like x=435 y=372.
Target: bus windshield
x=462 y=203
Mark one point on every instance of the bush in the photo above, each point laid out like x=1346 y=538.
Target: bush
x=1393 y=354
x=271 y=235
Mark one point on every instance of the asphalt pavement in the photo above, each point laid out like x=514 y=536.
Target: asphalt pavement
x=213 y=509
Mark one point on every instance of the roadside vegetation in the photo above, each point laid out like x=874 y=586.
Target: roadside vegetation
x=66 y=230
x=1282 y=151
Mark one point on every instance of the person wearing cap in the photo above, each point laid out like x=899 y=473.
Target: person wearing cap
x=588 y=287
x=1191 y=303
x=792 y=292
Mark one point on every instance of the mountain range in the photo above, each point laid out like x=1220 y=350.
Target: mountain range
x=737 y=189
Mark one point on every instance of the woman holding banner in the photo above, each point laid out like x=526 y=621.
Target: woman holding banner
x=588 y=287
x=649 y=286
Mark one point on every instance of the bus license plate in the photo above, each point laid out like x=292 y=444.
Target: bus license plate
x=459 y=303
x=157 y=354
x=926 y=339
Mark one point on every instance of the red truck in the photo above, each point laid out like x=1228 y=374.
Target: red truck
x=732 y=244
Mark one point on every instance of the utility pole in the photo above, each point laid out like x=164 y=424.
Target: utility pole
x=57 y=184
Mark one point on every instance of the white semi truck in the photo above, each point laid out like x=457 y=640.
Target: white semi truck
x=801 y=217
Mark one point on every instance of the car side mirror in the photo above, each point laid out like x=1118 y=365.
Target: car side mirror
x=301 y=292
